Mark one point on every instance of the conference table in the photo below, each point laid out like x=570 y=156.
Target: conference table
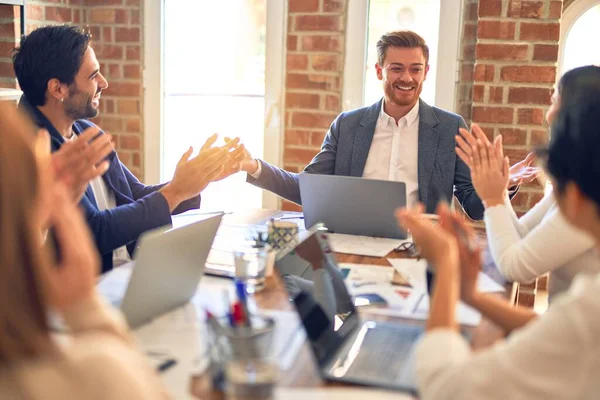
x=303 y=373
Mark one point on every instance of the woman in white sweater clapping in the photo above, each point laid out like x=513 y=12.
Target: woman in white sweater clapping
x=541 y=241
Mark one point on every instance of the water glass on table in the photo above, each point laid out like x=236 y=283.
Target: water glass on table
x=251 y=259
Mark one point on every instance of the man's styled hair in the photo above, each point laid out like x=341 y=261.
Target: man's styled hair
x=573 y=150
x=46 y=53
x=404 y=38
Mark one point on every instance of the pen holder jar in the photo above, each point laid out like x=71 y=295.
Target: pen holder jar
x=241 y=363
x=282 y=234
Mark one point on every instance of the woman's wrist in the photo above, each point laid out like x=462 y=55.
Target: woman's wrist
x=470 y=297
x=493 y=201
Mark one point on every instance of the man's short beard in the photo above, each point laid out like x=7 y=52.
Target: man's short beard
x=389 y=91
x=80 y=111
x=75 y=112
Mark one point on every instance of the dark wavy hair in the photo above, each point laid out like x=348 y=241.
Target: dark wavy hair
x=572 y=155
x=46 y=53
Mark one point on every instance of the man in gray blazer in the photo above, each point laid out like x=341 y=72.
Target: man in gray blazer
x=346 y=148
x=399 y=138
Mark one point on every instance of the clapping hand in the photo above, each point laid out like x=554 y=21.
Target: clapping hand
x=80 y=160
x=436 y=245
x=489 y=168
x=237 y=154
x=452 y=243
x=73 y=278
x=523 y=171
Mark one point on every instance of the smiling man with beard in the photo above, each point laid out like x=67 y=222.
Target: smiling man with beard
x=399 y=138
x=61 y=81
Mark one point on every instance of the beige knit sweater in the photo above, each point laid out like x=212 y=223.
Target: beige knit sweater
x=98 y=360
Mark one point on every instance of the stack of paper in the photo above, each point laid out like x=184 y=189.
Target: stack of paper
x=414 y=271
x=326 y=393
x=365 y=273
x=363 y=245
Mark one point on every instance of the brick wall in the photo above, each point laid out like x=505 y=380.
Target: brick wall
x=515 y=71
x=38 y=13
x=117 y=31
x=117 y=38
x=315 y=57
x=464 y=90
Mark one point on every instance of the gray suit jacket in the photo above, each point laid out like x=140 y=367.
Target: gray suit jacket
x=346 y=147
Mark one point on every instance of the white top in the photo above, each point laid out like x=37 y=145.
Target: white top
x=105 y=199
x=98 y=360
x=394 y=151
x=554 y=357
x=541 y=241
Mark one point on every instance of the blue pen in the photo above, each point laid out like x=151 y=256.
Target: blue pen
x=240 y=288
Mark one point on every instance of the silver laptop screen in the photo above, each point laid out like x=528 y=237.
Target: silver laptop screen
x=316 y=286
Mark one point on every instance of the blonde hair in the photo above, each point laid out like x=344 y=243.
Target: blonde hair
x=24 y=328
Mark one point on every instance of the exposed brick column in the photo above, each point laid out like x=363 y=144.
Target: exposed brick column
x=315 y=57
x=464 y=95
x=514 y=75
x=9 y=34
x=118 y=41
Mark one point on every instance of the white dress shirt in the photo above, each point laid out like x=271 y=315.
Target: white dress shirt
x=394 y=152
x=105 y=199
x=554 y=357
x=541 y=241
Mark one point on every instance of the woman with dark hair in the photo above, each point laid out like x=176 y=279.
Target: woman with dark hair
x=99 y=359
x=554 y=357
x=541 y=241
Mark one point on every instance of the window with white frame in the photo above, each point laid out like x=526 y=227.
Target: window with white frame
x=219 y=72
x=580 y=23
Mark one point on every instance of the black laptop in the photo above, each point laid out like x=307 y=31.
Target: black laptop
x=346 y=348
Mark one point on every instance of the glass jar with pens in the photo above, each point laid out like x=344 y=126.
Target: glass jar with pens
x=241 y=362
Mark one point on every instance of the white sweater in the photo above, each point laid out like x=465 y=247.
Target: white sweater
x=99 y=361
x=541 y=241
x=554 y=357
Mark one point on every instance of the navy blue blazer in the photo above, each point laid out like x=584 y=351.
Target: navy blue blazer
x=441 y=174
x=139 y=207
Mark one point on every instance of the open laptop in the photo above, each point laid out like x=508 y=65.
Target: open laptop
x=346 y=348
x=355 y=206
x=165 y=273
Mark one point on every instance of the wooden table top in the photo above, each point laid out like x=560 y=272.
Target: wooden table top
x=304 y=373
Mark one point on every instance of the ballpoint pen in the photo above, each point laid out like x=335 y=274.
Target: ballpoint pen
x=165 y=365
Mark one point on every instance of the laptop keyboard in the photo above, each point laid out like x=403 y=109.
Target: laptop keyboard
x=386 y=354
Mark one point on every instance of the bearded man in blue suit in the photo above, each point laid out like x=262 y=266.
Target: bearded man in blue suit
x=62 y=84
